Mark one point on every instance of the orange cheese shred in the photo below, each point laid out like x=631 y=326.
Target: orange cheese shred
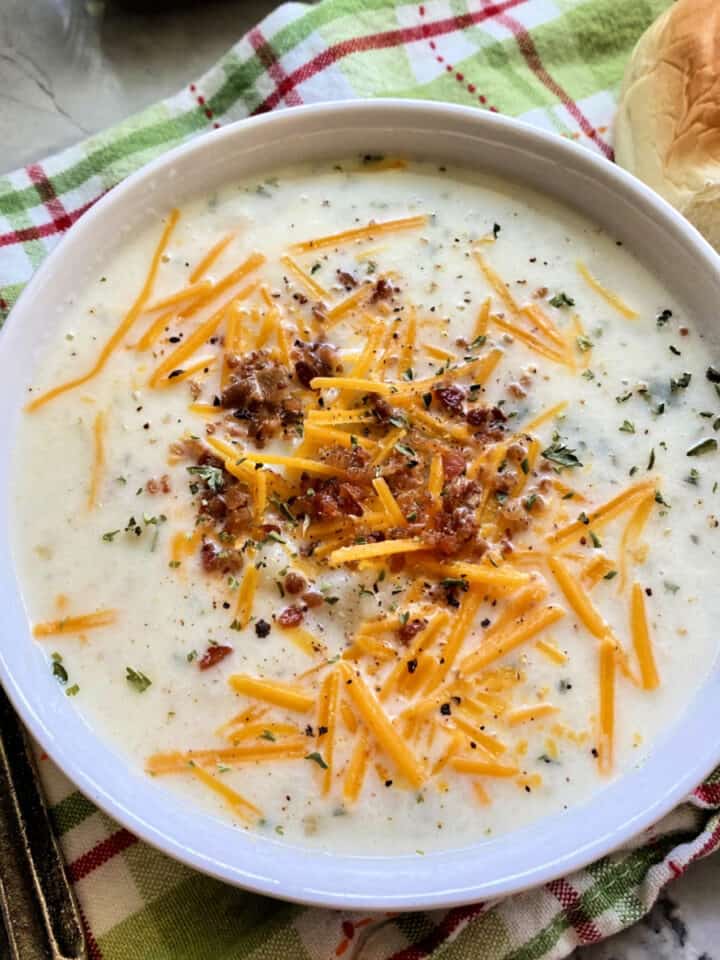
x=405 y=360
x=550 y=414
x=632 y=533
x=364 y=551
x=329 y=696
x=479 y=370
x=359 y=233
x=310 y=284
x=608 y=296
x=176 y=761
x=196 y=339
x=248 y=811
x=251 y=731
x=246 y=595
x=189 y=292
x=604 y=513
x=98 y=464
x=578 y=599
x=436 y=478
x=280 y=694
x=537 y=315
x=504 y=643
x=551 y=651
x=530 y=340
x=126 y=324
x=641 y=639
x=458 y=632
x=388 y=501
x=77 y=624
x=529 y=712
x=350 y=383
x=483 y=319
x=380 y=726
x=356 y=769
x=483 y=768
x=203 y=365
x=248 y=266
x=211 y=257
x=349 y=304
x=423 y=641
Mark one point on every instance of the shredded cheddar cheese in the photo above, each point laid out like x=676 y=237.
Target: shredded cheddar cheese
x=98 y=464
x=122 y=330
x=359 y=233
x=612 y=298
x=76 y=624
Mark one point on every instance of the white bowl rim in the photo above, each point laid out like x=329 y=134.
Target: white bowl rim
x=403 y=882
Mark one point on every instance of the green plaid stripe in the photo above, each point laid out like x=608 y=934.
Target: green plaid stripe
x=555 y=63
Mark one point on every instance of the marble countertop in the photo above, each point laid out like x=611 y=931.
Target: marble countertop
x=71 y=67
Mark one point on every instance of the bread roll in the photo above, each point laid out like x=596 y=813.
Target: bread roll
x=667 y=129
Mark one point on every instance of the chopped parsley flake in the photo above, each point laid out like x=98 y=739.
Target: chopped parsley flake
x=584 y=343
x=317 y=758
x=59 y=671
x=562 y=300
x=561 y=455
x=213 y=476
x=137 y=680
x=708 y=445
x=681 y=382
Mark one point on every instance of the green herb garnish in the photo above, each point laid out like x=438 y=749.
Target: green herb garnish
x=708 y=445
x=317 y=758
x=561 y=455
x=137 y=680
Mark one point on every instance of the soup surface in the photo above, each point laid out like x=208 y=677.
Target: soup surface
x=373 y=505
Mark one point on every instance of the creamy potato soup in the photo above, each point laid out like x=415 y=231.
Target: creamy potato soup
x=372 y=505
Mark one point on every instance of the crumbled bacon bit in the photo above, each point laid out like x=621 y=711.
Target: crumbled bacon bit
x=312 y=598
x=451 y=397
x=318 y=359
x=319 y=311
x=257 y=390
x=407 y=631
x=290 y=617
x=380 y=408
x=214 y=654
x=487 y=422
x=188 y=447
x=383 y=290
x=453 y=464
x=354 y=461
x=328 y=498
x=294 y=583
x=516 y=452
x=158 y=486
x=346 y=279
x=515 y=390
x=216 y=560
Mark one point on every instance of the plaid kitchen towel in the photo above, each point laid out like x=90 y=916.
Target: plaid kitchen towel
x=554 y=63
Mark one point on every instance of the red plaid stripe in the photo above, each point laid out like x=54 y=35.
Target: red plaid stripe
x=571 y=902
x=380 y=41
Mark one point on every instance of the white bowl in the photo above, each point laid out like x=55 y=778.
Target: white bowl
x=666 y=243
